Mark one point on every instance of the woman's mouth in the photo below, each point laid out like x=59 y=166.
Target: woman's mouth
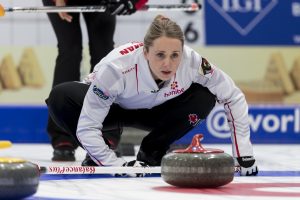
x=166 y=72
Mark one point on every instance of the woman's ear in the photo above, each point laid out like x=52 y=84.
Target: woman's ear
x=145 y=53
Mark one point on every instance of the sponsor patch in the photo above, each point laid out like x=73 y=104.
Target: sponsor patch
x=128 y=70
x=100 y=93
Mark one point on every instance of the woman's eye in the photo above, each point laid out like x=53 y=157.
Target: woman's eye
x=160 y=55
x=175 y=55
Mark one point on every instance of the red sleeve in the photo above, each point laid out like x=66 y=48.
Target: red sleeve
x=140 y=4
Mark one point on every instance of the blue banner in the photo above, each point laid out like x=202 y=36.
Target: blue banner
x=252 y=22
x=268 y=124
x=24 y=124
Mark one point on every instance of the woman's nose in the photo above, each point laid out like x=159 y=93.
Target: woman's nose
x=167 y=63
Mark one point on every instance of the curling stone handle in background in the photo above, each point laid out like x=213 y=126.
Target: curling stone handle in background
x=197 y=167
x=5 y=144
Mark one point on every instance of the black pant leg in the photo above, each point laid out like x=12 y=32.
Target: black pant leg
x=100 y=28
x=173 y=119
x=67 y=66
x=65 y=103
x=69 y=43
x=59 y=138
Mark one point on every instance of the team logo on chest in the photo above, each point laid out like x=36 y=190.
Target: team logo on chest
x=174 y=90
x=174 y=85
x=154 y=91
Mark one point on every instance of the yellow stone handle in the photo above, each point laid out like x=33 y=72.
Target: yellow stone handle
x=11 y=160
x=5 y=144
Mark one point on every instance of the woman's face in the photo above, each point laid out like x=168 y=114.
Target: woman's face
x=164 y=57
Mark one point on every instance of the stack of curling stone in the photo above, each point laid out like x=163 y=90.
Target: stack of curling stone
x=18 y=178
x=197 y=167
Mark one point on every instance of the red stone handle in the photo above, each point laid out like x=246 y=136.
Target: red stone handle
x=196 y=147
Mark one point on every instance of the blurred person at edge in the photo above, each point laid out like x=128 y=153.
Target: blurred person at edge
x=67 y=27
x=160 y=85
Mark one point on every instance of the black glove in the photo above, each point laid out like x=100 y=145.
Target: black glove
x=121 y=7
x=247 y=166
x=133 y=163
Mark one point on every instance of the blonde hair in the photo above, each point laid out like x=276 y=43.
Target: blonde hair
x=162 y=26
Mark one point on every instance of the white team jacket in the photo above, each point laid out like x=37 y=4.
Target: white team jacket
x=124 y=77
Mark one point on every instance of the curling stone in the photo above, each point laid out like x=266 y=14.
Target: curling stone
x=18 y=178
x=197 y=167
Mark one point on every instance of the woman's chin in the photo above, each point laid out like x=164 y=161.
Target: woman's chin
x=165 y=77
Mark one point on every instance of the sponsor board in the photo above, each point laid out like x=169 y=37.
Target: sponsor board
x=268 y=124
x=252 y=22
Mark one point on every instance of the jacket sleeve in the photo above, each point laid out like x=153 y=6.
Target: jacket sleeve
x=104 y=88
x=235 y=105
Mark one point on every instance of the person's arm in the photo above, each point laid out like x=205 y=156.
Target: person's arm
x=236 y=109
x=100 y=96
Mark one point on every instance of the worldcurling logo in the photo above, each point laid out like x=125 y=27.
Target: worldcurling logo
x=252 y=11
x=266 y=121
x=217 y=123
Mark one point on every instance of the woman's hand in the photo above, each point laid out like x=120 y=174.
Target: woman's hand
x=63 y=15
